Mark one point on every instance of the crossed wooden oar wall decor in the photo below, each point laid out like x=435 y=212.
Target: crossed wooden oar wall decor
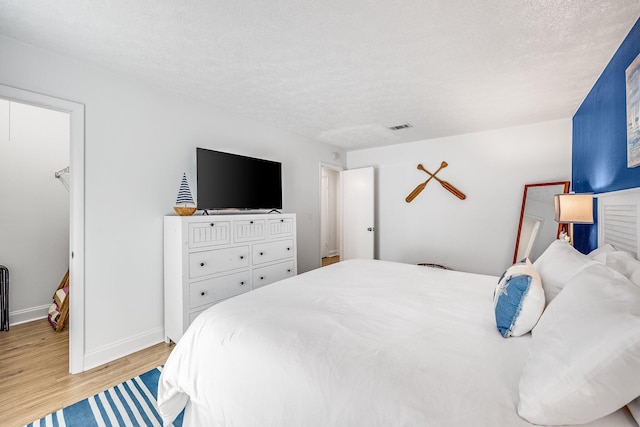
x=453 y=190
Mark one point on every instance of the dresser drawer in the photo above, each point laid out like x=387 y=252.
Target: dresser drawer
x=272 y=273
x=272 y=251
x=249 y=230
x=209 y=233
x=212 y=290
x=194 y=314
x=280 y=227
x=218 y=261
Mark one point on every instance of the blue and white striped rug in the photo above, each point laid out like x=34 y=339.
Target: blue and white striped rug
x=131 y=403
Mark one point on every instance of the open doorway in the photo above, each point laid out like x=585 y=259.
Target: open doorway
x=329 y=218
x=31 y=203
x=34 y=157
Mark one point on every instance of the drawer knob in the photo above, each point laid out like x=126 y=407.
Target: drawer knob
x=241 y=256
x=288 y=249
x=289 y=270
x=242 y=283
x=202 y=264
x=212 y=224
x=261 y=277
x=250 y=222
x=261 y=253
x=282 y=220
x=202 y=293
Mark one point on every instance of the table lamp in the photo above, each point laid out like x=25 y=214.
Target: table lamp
x=572 y=208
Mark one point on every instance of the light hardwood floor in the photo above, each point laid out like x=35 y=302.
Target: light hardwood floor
x=34 y=372
x=330 y=260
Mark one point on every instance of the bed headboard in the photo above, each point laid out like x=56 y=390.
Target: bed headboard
x=618 y=215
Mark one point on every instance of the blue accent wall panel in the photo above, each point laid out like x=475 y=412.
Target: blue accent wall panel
x=599 y=154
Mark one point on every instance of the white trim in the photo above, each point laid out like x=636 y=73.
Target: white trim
x=123 y=348
x=28 y=314
x=330 y=166
x=76 y=214
x=338 y=169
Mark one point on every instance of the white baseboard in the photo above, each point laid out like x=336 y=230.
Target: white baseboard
x=28 y=314
x=334 y=253
x=122 y=348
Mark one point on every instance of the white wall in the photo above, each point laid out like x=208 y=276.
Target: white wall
x=139 y=141
x=491 y=168
x=34 y=206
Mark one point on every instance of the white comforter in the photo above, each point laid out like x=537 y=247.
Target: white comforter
x=358 y=343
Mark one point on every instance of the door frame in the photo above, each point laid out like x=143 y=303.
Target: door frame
x=338 y=169
x=76 y=212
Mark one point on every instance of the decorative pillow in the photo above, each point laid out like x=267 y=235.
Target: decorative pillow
x=518 y=299
x=584 y=355
x=557 y=265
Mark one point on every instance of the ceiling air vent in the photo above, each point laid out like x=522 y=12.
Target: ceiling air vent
x=404 y=126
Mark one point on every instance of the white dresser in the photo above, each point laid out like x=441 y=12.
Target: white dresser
x=209 y=258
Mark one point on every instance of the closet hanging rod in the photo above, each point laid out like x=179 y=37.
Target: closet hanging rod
x=62 y=172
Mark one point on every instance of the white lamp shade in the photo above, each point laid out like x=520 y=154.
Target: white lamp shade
x=574 y=208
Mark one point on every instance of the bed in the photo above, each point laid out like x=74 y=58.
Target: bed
x=376 y=343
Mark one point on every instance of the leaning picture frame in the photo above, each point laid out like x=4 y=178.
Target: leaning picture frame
x=632 y=75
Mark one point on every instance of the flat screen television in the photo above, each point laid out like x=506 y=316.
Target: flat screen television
x=231 y=181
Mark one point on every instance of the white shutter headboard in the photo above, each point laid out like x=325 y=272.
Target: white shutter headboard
x=618 y=215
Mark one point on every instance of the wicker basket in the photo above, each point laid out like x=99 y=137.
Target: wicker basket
x=184 y=210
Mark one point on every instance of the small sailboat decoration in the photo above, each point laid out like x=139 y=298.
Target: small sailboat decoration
x=185 y=206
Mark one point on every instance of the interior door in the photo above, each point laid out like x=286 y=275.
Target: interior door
x=358 y=232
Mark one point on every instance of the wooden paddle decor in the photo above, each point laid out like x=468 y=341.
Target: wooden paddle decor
x=420 y=187
x=446 y=185
x=453 y=190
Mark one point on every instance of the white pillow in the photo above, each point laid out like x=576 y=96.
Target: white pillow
x=584 y=355
x=518 y=300
x=557 y=265
x=604 y=249
x=621 y=261
x=634 y=408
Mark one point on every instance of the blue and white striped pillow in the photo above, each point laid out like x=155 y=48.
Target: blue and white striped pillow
x=518 y=299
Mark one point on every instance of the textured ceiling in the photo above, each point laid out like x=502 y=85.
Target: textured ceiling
x=343 y=71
